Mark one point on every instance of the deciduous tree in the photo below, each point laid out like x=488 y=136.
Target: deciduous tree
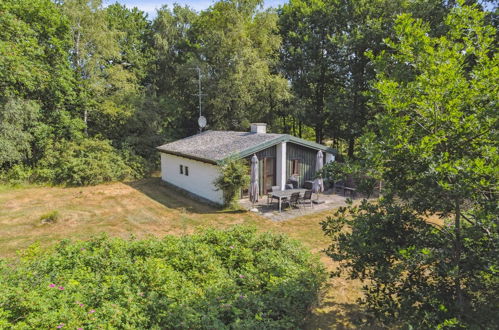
x=429 y=250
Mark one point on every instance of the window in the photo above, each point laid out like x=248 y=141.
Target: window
x=187 y=171
x=295 y=169
x=181 y=169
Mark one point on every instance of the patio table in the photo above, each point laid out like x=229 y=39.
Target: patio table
x=283 y=194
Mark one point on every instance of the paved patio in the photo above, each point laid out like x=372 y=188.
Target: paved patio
x=330 y=201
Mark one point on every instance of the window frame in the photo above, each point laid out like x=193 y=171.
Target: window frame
x=181 y=169
x=186 y=170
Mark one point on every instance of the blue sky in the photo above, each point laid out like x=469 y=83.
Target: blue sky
x=150 y=6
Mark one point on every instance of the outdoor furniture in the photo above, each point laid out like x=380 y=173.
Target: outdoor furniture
x=282 y=195
x=293 y=180
x=308 y=184
x=347 y=186
x=339 y=184
x=269 y=195
x=294 y=200
x=351 y=191
x=307 y=198
x=289 y=186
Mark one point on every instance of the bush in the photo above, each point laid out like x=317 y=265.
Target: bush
x=17 y=174
x=214 y=280
x=233 y=177
x=86 y=162
x=50 y=217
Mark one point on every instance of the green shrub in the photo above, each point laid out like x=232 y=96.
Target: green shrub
x=214 y=280
x=233 y=176
x=86 y=162
x=50 y=217
x=17 y=174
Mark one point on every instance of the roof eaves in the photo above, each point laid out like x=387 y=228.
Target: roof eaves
x=284 y=138
x=260 y=147
x=200 y=159
x=310 y=144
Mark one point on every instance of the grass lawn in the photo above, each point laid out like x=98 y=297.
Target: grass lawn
x=147 y=207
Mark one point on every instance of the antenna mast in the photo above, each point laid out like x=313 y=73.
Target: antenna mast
x=201 y=120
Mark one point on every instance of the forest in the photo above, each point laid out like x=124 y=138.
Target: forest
x=88 y=91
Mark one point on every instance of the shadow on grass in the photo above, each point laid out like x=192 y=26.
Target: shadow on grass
x=174 y=198
x=339 y=316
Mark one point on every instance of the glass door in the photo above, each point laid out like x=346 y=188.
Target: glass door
x=268 y=173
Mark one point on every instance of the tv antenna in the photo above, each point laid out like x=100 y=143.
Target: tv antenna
x=201 y=119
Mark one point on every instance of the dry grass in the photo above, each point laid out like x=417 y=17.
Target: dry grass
x=145 y=208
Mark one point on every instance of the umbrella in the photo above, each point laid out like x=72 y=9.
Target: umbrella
x=253 y=191
x=318 y=185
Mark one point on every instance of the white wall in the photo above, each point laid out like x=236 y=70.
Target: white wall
x=200 y=178
x=281 y=165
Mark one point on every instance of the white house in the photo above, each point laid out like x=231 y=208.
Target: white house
x=192 y=163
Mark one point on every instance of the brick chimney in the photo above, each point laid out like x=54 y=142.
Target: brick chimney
x=260 y=128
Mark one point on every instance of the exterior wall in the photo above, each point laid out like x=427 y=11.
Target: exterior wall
x=200 y=178
x=306 y=156
x=281 y=165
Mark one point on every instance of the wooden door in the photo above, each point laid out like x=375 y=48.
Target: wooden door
x=268 y=173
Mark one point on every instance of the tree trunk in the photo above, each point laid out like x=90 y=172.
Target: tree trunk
x=85 y=119
x=351 y=145
x=318 y=133
x=299 y=129
x=457 y=260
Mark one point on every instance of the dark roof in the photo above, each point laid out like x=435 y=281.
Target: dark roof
x=215 y=146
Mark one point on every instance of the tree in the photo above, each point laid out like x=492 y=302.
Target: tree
x=429 y=250
x=18 y=120
x=308 y=56
x=94 y=43
x=324 y=57
x=174 y=80
x=36 y=81
x=238 y=45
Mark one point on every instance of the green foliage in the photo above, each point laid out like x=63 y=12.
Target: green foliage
x=324 y=56
x=18 y=120
x=240 y=43
x=217 y=279
x=86 y=162
x=233 y=177
x=435 y=146
x=50 y=217
x=17 y=174
x=352 y=172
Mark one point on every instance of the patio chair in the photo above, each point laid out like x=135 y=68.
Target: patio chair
x=307 y=198
x=293 y=200
x=269 y=195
